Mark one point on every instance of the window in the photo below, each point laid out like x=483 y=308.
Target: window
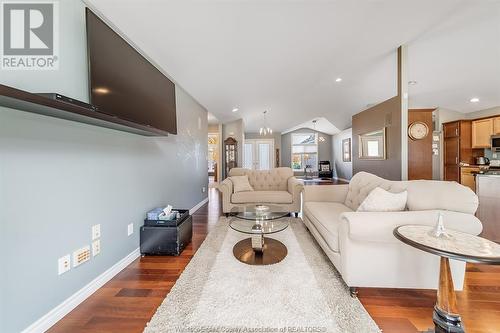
x=304 y=151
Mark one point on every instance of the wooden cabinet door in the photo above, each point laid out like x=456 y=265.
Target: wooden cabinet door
x=481 y=133
x=496 y=125
x=452 y=173
x=451 y=158
x=451 y=130
x=467 y=177
x=451 y=151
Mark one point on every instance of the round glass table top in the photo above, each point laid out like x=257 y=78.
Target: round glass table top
x=458 y=245
x=259 y=212
x=258 y=227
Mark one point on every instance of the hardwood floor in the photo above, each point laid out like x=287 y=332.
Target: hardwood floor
x=127 y=302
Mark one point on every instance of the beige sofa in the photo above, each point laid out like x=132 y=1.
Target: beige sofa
x=275 y=186
x=361 y=245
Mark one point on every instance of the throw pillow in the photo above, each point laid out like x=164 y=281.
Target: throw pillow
x=241 y=184
x=380 y=200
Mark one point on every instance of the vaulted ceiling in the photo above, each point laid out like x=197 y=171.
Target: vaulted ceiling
x=285 y=56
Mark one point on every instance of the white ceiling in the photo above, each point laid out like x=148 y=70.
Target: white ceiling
x=458 y=59
x=284 y=56
x=320 y=124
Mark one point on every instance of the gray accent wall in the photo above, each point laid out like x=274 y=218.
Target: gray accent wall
x=324 y=148
x=58 y=178
x=384 y=115
x=341 y=169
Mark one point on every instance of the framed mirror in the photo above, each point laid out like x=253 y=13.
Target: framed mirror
x=372 y=145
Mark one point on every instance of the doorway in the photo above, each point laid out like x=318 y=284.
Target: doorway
x=213 y=158
x=258 y=154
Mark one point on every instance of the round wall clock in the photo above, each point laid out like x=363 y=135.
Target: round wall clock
x=418 y=130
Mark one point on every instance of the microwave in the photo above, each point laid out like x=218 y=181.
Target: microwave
x=495 y=143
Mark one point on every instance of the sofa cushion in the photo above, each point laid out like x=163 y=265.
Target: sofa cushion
x=428 y=194
x=380 y=200
x=241 y=184
x=278 y=197
x=422 y=194
x=363 y=183
x=326 y=218
x=265 y=180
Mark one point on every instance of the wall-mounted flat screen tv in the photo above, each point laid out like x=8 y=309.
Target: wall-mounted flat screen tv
x=125 y=84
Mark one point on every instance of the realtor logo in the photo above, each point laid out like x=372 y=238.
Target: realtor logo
x=30 y=35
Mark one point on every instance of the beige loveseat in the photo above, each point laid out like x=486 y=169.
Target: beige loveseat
x=361 y=245
x=276 y=186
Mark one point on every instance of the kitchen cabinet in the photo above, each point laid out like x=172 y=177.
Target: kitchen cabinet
x=468 y=178
x=456 y=148
x=450 y=130
x=496 y=125
x=482 y=130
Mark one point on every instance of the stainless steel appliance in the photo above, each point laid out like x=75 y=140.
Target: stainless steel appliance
x=495 y=143
x=488 y=191
x=482 y=160
x=495 y=163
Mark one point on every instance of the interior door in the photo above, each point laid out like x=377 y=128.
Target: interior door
x=258 y=154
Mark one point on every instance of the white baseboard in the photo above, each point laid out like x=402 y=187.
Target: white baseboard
x=198 y=206
x=56 y=314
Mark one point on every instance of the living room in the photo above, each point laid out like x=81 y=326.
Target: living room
x=217 y=166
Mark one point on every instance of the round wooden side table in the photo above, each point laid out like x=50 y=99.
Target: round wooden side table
x=453 y=245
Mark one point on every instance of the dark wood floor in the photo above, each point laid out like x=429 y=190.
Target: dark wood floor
x=127 y=302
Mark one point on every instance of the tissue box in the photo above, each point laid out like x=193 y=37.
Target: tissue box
x=174 y=221
x=154 y=214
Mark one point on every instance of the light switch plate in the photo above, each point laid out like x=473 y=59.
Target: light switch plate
x=130 y=229
x=96 y=247
x=63 y=264
x=96 y=231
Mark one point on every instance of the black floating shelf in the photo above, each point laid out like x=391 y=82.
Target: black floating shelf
x=26 y=101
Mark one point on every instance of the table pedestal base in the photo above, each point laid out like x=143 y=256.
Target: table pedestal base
x=446 y=323
x=272 y=252
x=446 y=318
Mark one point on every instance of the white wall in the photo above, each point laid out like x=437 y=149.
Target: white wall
x=342 y=170
x=58 y=178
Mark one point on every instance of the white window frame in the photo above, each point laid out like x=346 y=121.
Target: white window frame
x=315 y=144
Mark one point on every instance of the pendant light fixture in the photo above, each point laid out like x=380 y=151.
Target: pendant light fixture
x=265 y=130
x=321 y=139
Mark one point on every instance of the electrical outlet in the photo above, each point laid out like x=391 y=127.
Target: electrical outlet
x=203 y=189
x=81 y=255
x=96 y=247
x=96 y=231
x=130 y=229
x=63 y=264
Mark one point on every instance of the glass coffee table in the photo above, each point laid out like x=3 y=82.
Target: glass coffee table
x=450 y=245
x=259 y=221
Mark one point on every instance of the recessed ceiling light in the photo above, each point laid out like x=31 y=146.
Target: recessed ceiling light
x=474 y=100
x=412 y=83
x=235 y=109
x=339 y=79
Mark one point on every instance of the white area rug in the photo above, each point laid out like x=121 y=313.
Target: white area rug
x=302 y=293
